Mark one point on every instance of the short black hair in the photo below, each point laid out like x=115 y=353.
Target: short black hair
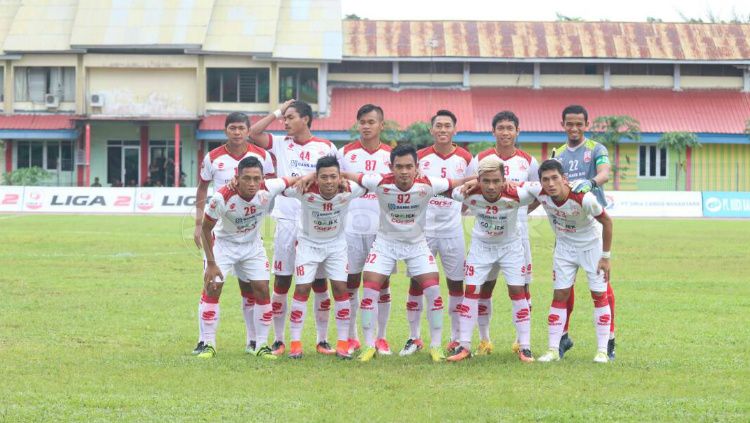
x=404 y=150
x=505 y=115
x=236 y=117
x=575 y=109
x=303 y=109
x=367 y=108
x=550 y=164
x=444 y=112
x=249 y=162
x=327 y=161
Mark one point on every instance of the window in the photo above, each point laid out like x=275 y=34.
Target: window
x=571 y=69
x=161 y=166
x=652 y=162
x=33 y=83
x=430 y=67
x=50 y=155
x=300 y=84
x=360 y=67
x=641 y=69
x=710 y=70
x=2 y=86
x=503 y=68
x=238 y=85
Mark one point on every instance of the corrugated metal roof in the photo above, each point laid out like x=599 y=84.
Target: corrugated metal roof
x=41 y=25
x=8 y=11
x=37 y=122
x=243 y=26
x=715 y=111
x=309 y=29
x=554 y=40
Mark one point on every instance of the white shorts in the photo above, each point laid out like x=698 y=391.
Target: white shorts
x=358 y=246
x=485 y=260
x=284 y=247
x=315 y=261
x=452 y=252
x=523 y=226
x=247 y=261
x=385 y=254
x=566 y=261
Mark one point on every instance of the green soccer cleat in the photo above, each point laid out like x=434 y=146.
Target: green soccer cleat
x=199 y=348
x=437 y=355
x=367 y=354
x=601 y=357
x=553 y=354
x=515 y=347
x=265 y=353
x=208 y=352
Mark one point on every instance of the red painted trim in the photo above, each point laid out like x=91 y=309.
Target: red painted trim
x=144 y=155
x=545 y=153
x=177 y=155
x=9 y=156
x=201 y=145
x=617 y=163
x=88 y=154
x=688 y=169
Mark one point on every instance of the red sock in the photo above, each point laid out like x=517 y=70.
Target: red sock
x=611 y=298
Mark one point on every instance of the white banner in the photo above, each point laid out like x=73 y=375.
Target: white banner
x=78 y=200
x=165 y=200
x=11 y=199
x=650 y=204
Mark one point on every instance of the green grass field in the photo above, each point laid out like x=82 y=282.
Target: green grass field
x=99 y=318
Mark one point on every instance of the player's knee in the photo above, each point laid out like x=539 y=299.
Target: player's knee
x=282 y=282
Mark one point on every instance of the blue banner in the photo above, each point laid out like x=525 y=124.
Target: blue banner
x=726 y=204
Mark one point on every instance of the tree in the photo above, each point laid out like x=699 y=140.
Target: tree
x=563 y=18
x=28 y=176
x=352 y=17
x=417 y=134
x=678 y=143
x=610 y=131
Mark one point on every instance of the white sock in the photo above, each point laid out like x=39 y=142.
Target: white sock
x=384 y=311
x=522 y=320
x=353 y=309
x=208 y=314
x=322 y=314
x=558 y=314
x=278 y=304
x=369 y=314
x=467 y=320
x=343 y=318
x=263 y=317
x=434 y=314
x=454 y=300
x=297 y=317
x=414 y=306
x=248 y=306
x=484 y=316
x=602 y=321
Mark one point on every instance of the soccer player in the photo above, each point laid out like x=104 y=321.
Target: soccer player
x=219 y=167
x=232 y=244
x=578 y=244
x=370 y=156
x=586 y=165
x=519 y=166
x=443 y=227
x=296 y=155
x=403 y=199
x=322 y=245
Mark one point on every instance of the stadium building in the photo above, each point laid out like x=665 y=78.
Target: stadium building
x=112 y=90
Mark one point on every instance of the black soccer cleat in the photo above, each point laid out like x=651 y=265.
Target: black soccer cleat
x=565 y=344
x=611 y=349
x=199 y=348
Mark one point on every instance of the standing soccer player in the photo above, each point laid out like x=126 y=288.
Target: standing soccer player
x=296 y=155
x=578 y=244
x=322 y=246
x=443 y=227
x=403 y=199
x=586 y=165
x=369 y=156
x=495 y=245
x=232 y=244
x=519 y=166
x=219 y=167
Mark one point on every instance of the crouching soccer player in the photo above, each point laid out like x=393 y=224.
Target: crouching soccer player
x=496 y=244
x=232 y=244
x=322 y=246
x=578 y=244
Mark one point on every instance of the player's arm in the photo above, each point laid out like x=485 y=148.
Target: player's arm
x=213 y=273
x=606 y=222
x=257 y=131
x=200 y=203
x=454 y=183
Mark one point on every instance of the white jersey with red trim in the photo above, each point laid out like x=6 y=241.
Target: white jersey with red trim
x=402 y=213
x=496 y=221
x=238 y=219
x=444 y=214
x=573 y=220
x=519 y=167
x=323 y=219
x=219 y=165
x=364 y=212
x=295 y=159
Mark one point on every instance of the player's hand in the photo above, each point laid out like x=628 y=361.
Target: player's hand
x=468 y=186
x=581 y=186
x=232 y=184
x=510 y=184
x=604 y=267
x=197 y=235
x=304 y=183
x=213 y=276
x=286 y=105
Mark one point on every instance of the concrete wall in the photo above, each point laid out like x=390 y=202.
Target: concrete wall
x=572 y=81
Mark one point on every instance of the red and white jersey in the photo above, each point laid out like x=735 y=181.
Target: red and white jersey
x=323 y=219
x=219 y=165
x=402 y=213
x=444 y=214
x=238 y=219
x=364 y=211
x=295 y=159
x=573 y=220
x=496 y=221
x=519 y=167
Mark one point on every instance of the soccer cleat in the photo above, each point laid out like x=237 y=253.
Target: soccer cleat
x=485 y=347
x=207 y=352
x=525 y=356
x=452 y=347
x=565 y=344
x=250 y=349
x=325 y=348
x=437 y=354
x=382 y=346
x=412 y=346
x=342 y=350
x=515 y=347
x=461 y=353
x=611 y=349
x=601 y=357
x=354 y=345
x=265 y=353
x=367 y=354
x=551 y=355
x=199 y=348
x=278 y=348
x=295 y=350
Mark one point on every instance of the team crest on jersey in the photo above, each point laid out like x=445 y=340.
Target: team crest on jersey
x=587 y=156
x=460 y=169
x=523 y=167
x=422 y=192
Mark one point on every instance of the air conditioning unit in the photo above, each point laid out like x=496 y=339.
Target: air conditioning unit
x=96 y=100
x=51 y=101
